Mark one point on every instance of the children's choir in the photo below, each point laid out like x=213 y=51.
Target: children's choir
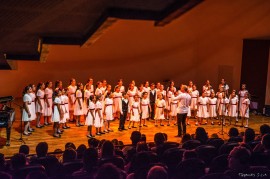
x=98 y=107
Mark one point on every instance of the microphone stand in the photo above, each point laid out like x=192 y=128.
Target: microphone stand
x=21 y=110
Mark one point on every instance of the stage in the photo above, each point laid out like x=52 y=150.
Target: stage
x=77 y=135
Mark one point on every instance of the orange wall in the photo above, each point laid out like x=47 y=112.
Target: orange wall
x=197 y=46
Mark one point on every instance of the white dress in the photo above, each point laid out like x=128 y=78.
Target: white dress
x=245 y=103
x=33 y=106
x=77 y=110
x=147 y=89
x=241 y=98
x=87 y=94
x=89 y=118
x=27 y=99
x=145 y=108
x=63 y=107
x=212 y=107
x=160 y=105
x=40 y=94
x=219 y=97
x=169 y=99
x=233 y=107
x=48 y=110
x=135 y=115
x=202 y=108
x=98 y=121
x=71 y=93
x=131 y=95
x=108 y=106
x=173 y=108
x=222 y=111
x=66 y=100
x=117 y=101
x=194 y=100
x=56 y=114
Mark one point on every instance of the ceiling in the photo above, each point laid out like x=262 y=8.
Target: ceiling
x=27 y=25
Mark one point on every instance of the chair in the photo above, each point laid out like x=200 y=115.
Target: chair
x=116 y=160
x=227 y=148
x=191 y=144
x=216 y=142
x=70 y=167
x=206 y=153
x=219 y=164
x=172 y=157
x=24 y=171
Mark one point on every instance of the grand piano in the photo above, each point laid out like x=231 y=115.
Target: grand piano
x=7 y=115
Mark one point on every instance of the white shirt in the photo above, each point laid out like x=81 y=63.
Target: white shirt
x=184 y=102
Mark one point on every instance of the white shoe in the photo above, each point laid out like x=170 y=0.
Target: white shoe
x=212 y=123
x=246 y=126
x=196 y=124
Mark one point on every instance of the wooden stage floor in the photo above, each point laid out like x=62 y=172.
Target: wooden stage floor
x=77 y=135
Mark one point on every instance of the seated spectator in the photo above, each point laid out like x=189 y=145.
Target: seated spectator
x=80 y=151
x=159 y=140
x=109 y=171
x=135 y=138
x=59 y=155
x=234 y=135
x=186 y=137
x=3 y=167
x=70 y=145
x=24 y=149
x=18 y=161
x=90 y=161
x=190 y=168
x=189 y=154
x=69 y=155
x=50 y=162
x=201 y=135
x=93 y=143
x=249 y=138
x=143 y=138
x=238 y=161
x=157 y=172
x=107 y=150
x=264 y=129
x=142 y=146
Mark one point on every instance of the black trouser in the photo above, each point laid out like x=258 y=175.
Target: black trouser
x=123 y=118
x=181 y=121
x=152 y=115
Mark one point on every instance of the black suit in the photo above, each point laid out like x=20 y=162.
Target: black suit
x=124 y=115
x=152 y=99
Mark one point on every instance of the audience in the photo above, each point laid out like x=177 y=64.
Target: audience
x=201 y=135
x=157 y=160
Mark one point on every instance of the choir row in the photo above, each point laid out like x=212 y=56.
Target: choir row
x=149 y=101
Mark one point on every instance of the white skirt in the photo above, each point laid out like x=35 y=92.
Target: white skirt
x=212 y=110
x=158 y=114
x=38 y=106
x=202 y=111
x=77 y=110
x=136 y=116
x=56 y=114
x=109 y=113
x=233 y=111
x=89 y=119
x=193 y=105
x=25 y=117
x=32 y=109
x=145 y=112
x=98 y=122
x=173 y=111
x=48 y=110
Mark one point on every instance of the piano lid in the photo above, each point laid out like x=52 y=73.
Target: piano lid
x=6 y=99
